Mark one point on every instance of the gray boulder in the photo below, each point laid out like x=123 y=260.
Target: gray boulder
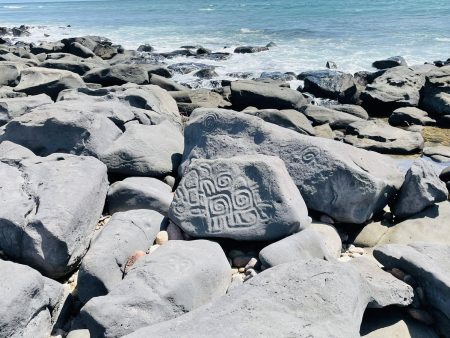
x=335 y=118
x=80 y=67
x=118 y=75
x=379 y=136
x=422 y=188
x=250 y=49
x=139 y=193
x=428 y=226
x=43 y=226
x=436 y=92
x=10 y=73
x=11 y=108
x=385 y=289
x=166 y=83
x=407 y=116
x=438 y=153
x=330 y=237
x=289 y=300
x=289 y=118
x=429 y=266
x=103 y=267
x=301 y=246
x=246 y=93
x=29 y=302
x=176 y=278
x=391 y=62
x=344 y=182
x=141 y=150
x=351 y=109
x=244 y=198
x=37 y=80
x=397 y=87
x=330 y=84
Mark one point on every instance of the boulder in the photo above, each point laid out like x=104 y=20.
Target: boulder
x=330 y=237
x=243 y=198
x=11 y=108
x=141 y=150
x=379 y=136
x=207 y=73
x=176 y=278
x=47 y=47
x=43 y=226
x=330 y=84
x=408 y=116
x=103 y=267
x=301 y=246
x=145 y=48
x=385 y=289
x=246 y=93
x=289 y=300
x=10 y=73
x=436 y=92
x=78 y=49
x=391 y=62
x=421 y=189
x=437 y=153
x=38 y=80
x=250 y=49
x=105 y=50
x=335 y=118
x=139 y=193
x=396 y=88
x=118 y=75
x=289 y=118
x=187 y=101
x=80 y=67
x=351 y=109
x=29 y=302
x=428 y=226
x=344 y=182
x=428 y=265
x=166 y=83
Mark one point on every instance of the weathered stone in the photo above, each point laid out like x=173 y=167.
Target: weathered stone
x=29 y=302
x=246 y=93
x=397 y=87
x=391 y=62
x=330 y=84
x=351 y=109
x=436 y=92
x=178 y=277
x=10 y=73
x=37 y=80
x=139 y=193
x=118 y=75
x=330 y=237
x=145 y=151
x=407 y=116
x=244 y=198
x=79 y=67
x=289 y=118
x=379 y=136
x=301 y=246
x=289 y=300
x=335 y=118
x=166 y=84
x=11 y=108
x=384 y=288
x=428 y=226
x=344 y=182
x=438 y=153
x=422 y=188
x=103 y=267
x=42 y=225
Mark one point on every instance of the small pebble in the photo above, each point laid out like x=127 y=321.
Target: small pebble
x=162 y=238
x=356 y=250
x=153 y=248
x=421 y=316
x=251 y=272
x=251 y=263
x=241 y=270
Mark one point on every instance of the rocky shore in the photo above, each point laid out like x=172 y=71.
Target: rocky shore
x=136 y=205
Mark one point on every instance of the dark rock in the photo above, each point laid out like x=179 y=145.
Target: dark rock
x=391 y=62
x=78 y=49
x=103 y=267
x=207 y=73
x=277 y=76
x=250 y=49
x=407 y=116
x=435 y=96
x=246 y=198
x=145 y=48
x=139 y=193
x=331 y=65
x=347 y=183
x=43 y=226
x=187 y=67
x=445 y=175
x=105 y=51
x=166 y=84
x=118 y=75
x=351 y=109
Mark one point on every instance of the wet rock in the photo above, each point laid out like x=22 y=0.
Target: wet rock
x=207 y=73
x=244 y=198
x=331 y=65
x=43 y=226
x=245 y=93
x=103 y=267
x=250 y=49
x=145 y=48
x=422 y=188
x=268 y=299
x=29 y=302
x=379 y=136
x=139 y=193
x=325 y=171
x=391 y=62
x=160 y=286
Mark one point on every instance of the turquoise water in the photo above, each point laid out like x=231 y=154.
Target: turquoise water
x=307 y=33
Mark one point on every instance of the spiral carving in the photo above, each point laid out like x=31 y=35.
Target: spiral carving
x=310 y=154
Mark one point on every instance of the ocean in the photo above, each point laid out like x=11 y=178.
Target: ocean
x=353 y=33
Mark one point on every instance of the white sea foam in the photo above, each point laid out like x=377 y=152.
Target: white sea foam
x=13 y=7
x=443 y=39
x=248 y=31
x=207 y=9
